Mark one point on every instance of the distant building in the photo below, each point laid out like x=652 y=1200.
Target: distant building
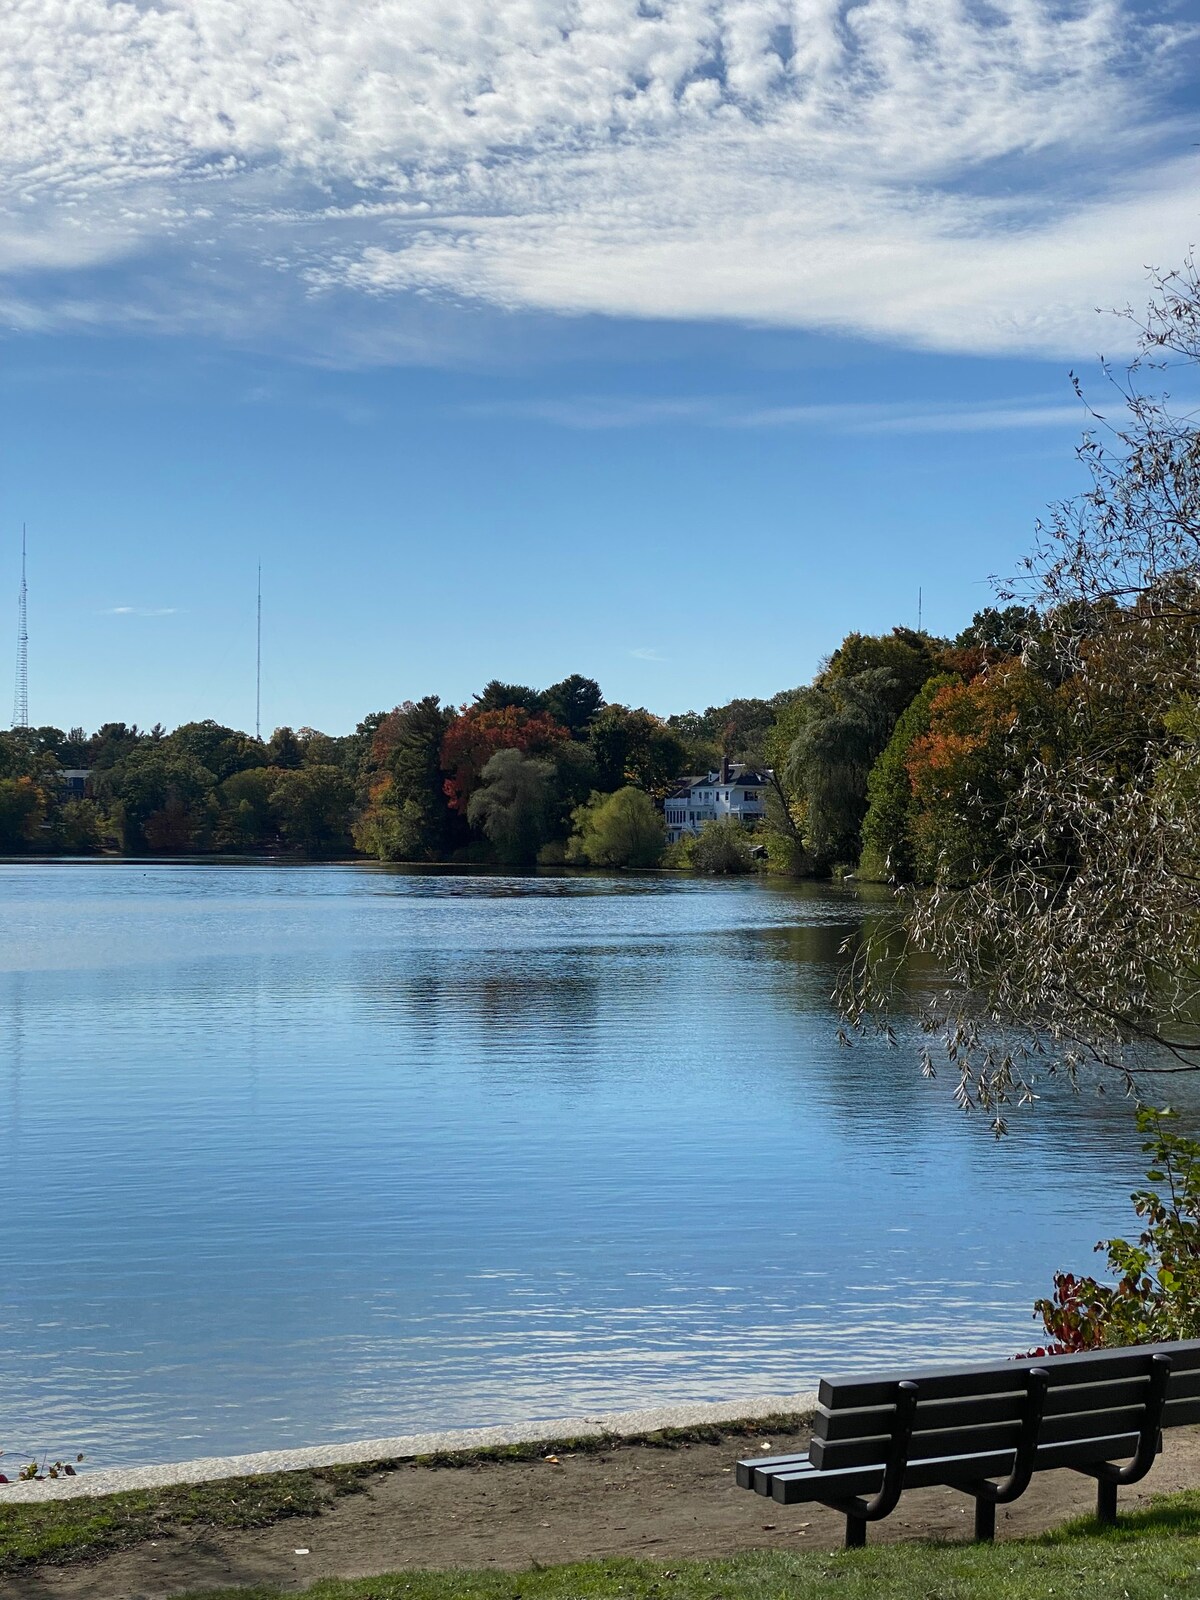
x=735 y=790
x=73 y=781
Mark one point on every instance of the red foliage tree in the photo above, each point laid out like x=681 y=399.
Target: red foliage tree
x=474 y=738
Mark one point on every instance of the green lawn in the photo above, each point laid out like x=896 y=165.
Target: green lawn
x=1154 y=1554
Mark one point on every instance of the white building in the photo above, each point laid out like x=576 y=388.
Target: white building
x=734 y=791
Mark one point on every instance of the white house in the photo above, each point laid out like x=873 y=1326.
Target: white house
x=736 y=790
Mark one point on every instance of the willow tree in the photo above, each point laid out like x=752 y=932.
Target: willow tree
x=1077 y=943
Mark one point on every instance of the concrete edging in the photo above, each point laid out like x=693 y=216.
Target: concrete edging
x=209 y=1469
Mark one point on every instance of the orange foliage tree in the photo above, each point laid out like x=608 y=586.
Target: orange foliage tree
x=981 y=736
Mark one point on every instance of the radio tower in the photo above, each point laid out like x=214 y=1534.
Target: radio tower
x=21 y=692
x=258 y=663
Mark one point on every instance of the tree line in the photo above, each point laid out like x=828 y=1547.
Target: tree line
x=863 y=758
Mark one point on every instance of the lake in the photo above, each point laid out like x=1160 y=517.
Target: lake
x=302 y=1154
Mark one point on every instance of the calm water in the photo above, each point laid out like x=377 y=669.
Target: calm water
x=302 y=1154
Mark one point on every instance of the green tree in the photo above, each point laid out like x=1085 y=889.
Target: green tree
x=22 y=812
x=247 y=821
x=635 y=747
x=1003 y=630
x=312 y=807
x=514 y=806
x=284 y=750
x=77 y=828
x=623 y=829
x=112 y=743
x=574 y=703
x=158 y=799
x=843 y=725
x=497 y=696
x=907 y=656
x=575 y=779
x=221 y=751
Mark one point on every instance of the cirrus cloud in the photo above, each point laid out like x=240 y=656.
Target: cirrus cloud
x=944 y=173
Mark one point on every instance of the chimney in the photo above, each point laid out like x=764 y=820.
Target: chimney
x=724 y=769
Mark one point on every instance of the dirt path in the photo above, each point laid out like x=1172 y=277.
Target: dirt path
x=632 y=1500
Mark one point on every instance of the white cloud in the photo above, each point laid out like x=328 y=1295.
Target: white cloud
x=598 y=412
x=140 y=611
x=926 y=171
x=648 y=653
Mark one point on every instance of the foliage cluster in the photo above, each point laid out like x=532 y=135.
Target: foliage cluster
x=1054 y=830
x=423 y=781
x=1154 y=1294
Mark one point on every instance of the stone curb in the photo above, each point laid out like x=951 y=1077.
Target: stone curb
x=210 y=1468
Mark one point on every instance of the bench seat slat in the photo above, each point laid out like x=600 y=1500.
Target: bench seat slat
x=878 y=1389
x=747 y=1469
x=804 y=1483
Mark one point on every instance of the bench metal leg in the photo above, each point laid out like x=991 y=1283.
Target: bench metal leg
x=856 y=1532
x=985 y=1519
x=1106 y=1503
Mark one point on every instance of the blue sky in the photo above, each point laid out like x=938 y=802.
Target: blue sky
x=663 y=342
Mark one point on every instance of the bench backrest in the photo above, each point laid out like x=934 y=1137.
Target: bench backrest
x=1098 y=1395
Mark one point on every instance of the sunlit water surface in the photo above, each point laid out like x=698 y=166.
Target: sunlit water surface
x=292 y=1155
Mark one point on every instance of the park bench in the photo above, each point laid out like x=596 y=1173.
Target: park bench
x=986 y=1430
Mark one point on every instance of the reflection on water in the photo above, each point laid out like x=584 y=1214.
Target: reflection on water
x=305 y=1154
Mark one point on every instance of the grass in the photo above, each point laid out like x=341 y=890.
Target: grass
x=1154 y=1554
x=53 y=1532
x=57 y=1532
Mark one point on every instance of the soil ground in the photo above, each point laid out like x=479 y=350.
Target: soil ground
x=631 y=1500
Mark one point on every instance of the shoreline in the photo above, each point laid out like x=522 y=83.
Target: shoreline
x=406 y=1447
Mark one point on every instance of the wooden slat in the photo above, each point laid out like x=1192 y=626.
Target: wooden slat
x=878 y=1389
x=979 y=1410
x=985 y=1410
x=746 y=1469
x=830 y=1455
x=792 y=1487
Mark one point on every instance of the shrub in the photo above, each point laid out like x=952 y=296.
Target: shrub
x=1156 y=1295
x=722 y=846
x=624 y=829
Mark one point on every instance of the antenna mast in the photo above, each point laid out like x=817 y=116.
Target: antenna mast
x=258 y=664
x=920 y=609
x=21 y=692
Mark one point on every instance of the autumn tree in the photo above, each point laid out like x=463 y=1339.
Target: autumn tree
x=889 y=827
x=475 y=736
x=1078 y=939
x=408 y=816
